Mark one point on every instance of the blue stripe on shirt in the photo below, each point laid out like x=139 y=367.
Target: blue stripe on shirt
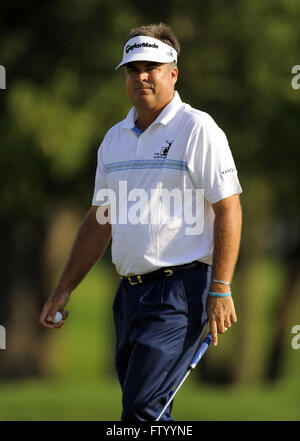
x=145 y=164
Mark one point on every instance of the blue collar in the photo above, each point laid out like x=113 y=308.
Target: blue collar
x=136 y=130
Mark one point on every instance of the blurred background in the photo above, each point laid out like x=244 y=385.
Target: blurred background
x=62 y=95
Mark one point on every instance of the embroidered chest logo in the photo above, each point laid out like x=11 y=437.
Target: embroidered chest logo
x=163 y=150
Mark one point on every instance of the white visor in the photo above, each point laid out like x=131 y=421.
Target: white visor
x=143 y=48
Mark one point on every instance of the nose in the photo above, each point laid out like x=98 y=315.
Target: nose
x=142 y=75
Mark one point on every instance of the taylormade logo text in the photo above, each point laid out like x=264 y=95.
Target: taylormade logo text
x=136 y=46
x=160 y=206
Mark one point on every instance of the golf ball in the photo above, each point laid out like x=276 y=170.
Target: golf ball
x=57 y=318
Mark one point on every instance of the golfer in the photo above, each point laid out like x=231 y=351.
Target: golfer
x=167 y=194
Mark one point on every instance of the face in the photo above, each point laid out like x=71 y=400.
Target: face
x=150 y=85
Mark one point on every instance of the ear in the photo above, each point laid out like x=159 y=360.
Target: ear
x=174 y=74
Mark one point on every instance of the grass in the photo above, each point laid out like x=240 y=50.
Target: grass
x=100 y=400
x=62 y=400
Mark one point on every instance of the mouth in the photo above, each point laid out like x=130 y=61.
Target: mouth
x=143 y=88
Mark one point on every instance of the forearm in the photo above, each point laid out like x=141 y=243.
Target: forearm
x=227 y=234
x=89 y=245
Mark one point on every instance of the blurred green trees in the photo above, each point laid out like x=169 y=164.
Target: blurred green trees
x=63 y=95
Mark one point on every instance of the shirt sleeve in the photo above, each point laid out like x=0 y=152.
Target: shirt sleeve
x=100 y=180
x=213 y=164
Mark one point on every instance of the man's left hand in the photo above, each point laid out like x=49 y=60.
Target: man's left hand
x=221 y=314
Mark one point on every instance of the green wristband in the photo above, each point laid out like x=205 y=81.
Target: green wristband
x=219 y=294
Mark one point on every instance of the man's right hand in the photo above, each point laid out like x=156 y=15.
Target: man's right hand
x=56 y=302
x=90 y=243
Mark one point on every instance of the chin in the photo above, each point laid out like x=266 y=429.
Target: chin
x=146 y=99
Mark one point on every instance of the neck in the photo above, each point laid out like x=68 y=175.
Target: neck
x=145 y=119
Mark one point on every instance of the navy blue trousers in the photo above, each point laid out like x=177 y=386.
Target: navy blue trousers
x=158 y=327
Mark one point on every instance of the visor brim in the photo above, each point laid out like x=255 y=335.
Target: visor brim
x=145 y=57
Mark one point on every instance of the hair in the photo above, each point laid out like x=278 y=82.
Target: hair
x=159 y=31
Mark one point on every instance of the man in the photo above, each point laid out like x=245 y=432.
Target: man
x=172 y=284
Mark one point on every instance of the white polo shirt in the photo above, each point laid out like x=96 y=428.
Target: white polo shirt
x=183 y=151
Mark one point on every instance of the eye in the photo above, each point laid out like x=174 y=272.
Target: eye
x=131 y=68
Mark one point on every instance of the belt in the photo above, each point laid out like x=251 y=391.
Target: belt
x=136 y=279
